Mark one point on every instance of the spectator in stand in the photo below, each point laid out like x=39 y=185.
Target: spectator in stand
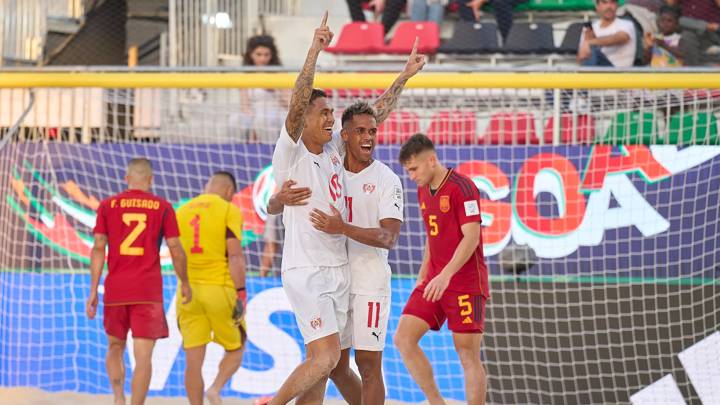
x=664 y=50
x=427 y=10
x=609 y=41
x=262 y=111
x=644 y=13
x=700 y=25
x=389 y=9
x=470 y=11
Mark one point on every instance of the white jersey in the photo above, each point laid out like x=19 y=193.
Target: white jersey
x=373 y=194
x=325 y=176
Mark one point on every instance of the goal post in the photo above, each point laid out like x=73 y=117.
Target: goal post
x=600 y=205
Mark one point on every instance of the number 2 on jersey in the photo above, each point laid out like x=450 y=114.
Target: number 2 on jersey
x=195 y=223
x=370 y=314
x=126 y=248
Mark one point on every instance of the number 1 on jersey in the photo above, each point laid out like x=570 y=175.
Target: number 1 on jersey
x=348 y=205
x=195 y=222
x=370 y=314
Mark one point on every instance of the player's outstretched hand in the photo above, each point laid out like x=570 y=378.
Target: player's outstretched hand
x=293 y=196
x=435 y=289
x=323 y=35
x=91 y=305
x=186 y=293
x=415 y=61
x=332 y=224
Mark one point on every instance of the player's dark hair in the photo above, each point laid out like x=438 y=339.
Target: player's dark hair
x=265 y=41
x=229 y=177
x=673 y=11
x=357 y=108
x=414 y=146
x=317 y=93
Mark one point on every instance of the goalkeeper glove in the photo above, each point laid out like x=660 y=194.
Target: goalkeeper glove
x=240 y=303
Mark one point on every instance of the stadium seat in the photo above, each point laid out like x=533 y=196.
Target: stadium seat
x=631 y=129
x=453 y=127
x=399 y=126
x=402 y=42
x=471 y=37
x=526 y=38
x=571 y=40
x=359 y=38
x=693 y=128
x=511 y=129
x=584 y=125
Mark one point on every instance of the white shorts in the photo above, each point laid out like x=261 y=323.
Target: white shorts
x=320 y=298
x=368 y=321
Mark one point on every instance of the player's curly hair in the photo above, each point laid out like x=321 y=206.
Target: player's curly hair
x=358 y=108
x=414 y=146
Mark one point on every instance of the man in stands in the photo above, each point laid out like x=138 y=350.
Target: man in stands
x=609 y=41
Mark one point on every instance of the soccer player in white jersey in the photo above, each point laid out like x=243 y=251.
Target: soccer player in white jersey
x=374 y=214
x=315 y=272
x=374 y=205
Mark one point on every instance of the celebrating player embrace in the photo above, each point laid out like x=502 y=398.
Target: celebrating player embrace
x=453 y=279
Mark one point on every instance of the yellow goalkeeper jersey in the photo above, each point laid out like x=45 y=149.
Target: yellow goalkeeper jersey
x=205 y=223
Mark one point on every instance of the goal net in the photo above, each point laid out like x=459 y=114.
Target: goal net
x=600 y=207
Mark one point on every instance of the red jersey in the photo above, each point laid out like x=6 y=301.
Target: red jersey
x=135 y=222
x=455 y=203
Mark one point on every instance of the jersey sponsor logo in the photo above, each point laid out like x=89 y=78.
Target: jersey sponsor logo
x=397 y=206
x=467 y=320
x=377 y=335
x=368 y=188
x=316 y=164
x=316 y=323
x=422 y=206
x=472 y=208
x=444 y=203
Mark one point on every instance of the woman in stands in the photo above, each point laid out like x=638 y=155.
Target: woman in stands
x=262 y=111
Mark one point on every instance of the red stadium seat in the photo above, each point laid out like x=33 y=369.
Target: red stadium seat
x=453 y=127
x=510 y=129
x=359 y=38
x=402 y=42
x=398 y=127
x=585 y=129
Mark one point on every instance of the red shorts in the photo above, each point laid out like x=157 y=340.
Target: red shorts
x=465 y=312
x=145 y=320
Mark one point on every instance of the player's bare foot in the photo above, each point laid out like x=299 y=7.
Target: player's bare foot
x=213 y=396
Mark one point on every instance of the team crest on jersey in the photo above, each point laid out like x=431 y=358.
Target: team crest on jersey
x=444 y=203
x=335 y=161
x=316 y=323
x=368 y=188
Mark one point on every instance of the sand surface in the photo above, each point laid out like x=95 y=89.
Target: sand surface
x=34 y=396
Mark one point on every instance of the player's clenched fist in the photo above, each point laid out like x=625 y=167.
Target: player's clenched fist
x=91 y=305
x=323 y=35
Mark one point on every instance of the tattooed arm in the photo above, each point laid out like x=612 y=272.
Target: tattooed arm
x=387 y=102
x=300 y=98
